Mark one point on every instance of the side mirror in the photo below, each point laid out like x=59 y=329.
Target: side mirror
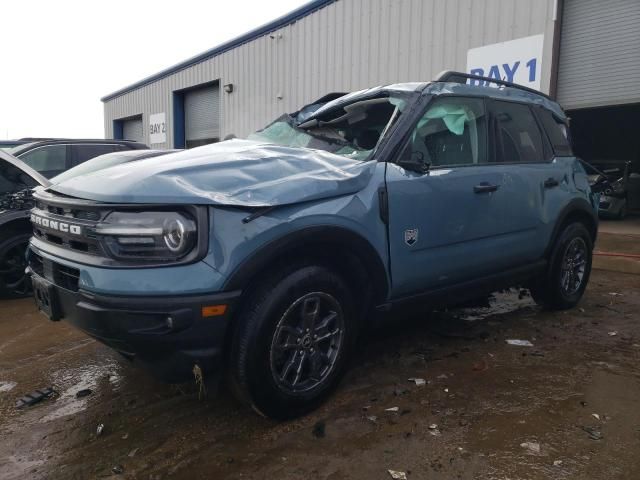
x=416 y=163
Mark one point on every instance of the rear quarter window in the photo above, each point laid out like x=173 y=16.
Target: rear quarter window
x=557 y=132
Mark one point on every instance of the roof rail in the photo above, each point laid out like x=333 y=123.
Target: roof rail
x=461 y=77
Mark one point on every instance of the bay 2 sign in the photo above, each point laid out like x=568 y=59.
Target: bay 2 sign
x=518 y=61
x=157 y=128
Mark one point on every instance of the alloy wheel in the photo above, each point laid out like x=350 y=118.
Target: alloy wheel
x=574 y=263
x=307 y=342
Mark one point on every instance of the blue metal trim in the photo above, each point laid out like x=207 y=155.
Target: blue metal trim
x=118 y=129
x=287 y=19
x=178 y=120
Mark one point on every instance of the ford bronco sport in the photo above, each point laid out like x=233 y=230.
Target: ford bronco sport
x=266 y=257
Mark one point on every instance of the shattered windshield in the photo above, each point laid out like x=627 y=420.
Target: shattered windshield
x=353 y=130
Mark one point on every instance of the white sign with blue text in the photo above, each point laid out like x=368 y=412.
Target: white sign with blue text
x=518 y=61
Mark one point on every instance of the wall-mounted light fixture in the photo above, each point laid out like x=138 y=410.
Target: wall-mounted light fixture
x=228 y=87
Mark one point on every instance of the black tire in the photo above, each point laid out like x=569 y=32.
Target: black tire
x=272 y=321
x=569 y=269
x=14 y=283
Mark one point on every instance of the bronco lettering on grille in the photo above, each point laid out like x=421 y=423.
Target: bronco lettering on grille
x=56 y=225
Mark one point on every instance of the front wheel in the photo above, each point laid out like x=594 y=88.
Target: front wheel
x=293 y=340
x=14 y=282
x=568 y=272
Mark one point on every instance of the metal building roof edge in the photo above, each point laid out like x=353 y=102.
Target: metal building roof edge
x=291 y=17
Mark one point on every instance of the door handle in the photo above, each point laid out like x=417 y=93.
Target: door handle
x=485 y=187
x=551 y=182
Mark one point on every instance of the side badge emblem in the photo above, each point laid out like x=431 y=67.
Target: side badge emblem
x=411 y=236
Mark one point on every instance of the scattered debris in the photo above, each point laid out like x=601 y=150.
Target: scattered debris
x=615 y=294
x=118 y=469
x=397 y=475
x=443 y=376
x=433 y=426
x=446 y=390
x=199 y=379
x=583 y=403
x=520 y=343
x=133 y=452
x=533 y=447
x=392 y=409
x=125 y=436
x=613 y=334
x=35 y=397
x=6 y=386
x=319 y=429
x=372 y=418
x=420 y=382
x=557 y=463
x=100 y=429
x=581 y=310
x=596 y=416
x=85 y=392
x=594 y=433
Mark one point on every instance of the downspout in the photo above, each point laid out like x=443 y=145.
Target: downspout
x=558 y=10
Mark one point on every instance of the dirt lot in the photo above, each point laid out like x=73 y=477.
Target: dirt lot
x=565 y=408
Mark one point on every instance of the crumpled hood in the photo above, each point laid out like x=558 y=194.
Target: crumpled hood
x=235 y=172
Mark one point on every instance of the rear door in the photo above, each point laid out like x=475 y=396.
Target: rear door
x=533 y=183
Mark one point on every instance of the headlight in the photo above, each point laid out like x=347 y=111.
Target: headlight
x=152 y=236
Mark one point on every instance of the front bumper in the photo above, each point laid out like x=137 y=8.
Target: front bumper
x=167 y=335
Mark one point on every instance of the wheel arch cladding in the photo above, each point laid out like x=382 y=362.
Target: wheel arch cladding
x=578 y=210
x=345 y=251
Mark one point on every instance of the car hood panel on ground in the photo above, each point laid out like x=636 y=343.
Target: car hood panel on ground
x=235 y=172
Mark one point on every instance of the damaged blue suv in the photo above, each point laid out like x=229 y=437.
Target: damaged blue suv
x=265 y=258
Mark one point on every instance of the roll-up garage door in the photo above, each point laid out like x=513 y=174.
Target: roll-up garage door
x=202 y=116
x=599 y=61
x=132 y=129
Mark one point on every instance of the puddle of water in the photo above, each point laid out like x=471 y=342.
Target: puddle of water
x=6 y=386
x=86 y=377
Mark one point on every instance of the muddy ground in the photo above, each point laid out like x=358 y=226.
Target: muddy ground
x=566 y=408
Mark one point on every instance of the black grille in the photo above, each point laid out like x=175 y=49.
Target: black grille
x=80 y=214
x=60 y=275
x=84 y=217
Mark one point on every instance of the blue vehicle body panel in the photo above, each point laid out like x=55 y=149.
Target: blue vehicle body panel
x=192 y=279
x=236 y=172
x=462 y=234
x=232 y=241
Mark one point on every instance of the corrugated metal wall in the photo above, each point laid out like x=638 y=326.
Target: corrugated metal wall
x=347 y=45
x=599 y=53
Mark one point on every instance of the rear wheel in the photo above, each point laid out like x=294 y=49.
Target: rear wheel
x=568 y=273
x=14 y=282
x=293 y=340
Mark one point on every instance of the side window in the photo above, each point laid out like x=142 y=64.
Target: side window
x=518 y=137
x=452 y=131
x=84 y=152
x=12 y=179
x=557 y=131
x=47 y=160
